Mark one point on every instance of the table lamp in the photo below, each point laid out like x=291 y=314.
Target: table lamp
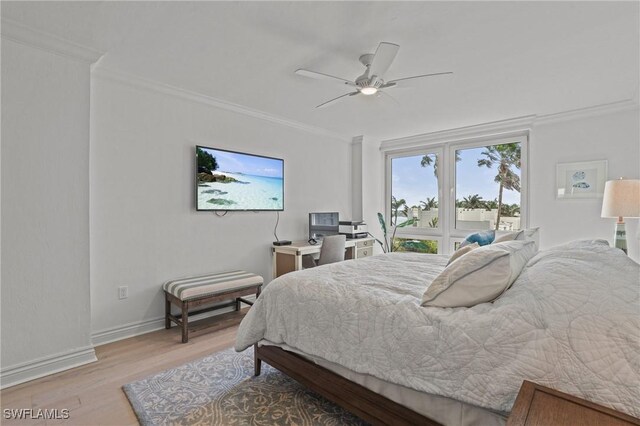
x=621 y=199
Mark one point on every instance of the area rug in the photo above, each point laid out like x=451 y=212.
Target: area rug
x=221 y=390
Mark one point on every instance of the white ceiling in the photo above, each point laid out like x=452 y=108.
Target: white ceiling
x=509 y=58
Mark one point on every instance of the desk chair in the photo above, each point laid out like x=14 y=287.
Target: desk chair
x=332 y=250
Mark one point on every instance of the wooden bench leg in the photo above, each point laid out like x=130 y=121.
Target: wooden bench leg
x=238 y=303
x=167 y=311
x=185 y=320
x=257 y=362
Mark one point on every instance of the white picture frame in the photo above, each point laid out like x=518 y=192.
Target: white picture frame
x=584 y=179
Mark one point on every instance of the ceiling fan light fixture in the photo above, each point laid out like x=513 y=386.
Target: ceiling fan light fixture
x=369 y=90
x=372 y=81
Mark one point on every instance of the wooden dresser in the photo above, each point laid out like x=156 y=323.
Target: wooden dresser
x=537 y=405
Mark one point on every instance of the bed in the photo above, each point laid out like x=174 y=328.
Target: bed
x=571 y=321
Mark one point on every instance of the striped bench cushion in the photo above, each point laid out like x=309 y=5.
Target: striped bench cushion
x=210 y=285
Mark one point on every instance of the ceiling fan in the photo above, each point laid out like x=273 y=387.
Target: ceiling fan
x=372 y=81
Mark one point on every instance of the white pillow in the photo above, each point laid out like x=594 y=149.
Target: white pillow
x=462 y=251
x=533 y=234
x=481 y=275
x=529 y=234
x=510 y=236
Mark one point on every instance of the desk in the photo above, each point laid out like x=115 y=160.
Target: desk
x=289 y=258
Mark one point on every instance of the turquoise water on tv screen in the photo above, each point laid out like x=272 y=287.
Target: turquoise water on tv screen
x=249 y=193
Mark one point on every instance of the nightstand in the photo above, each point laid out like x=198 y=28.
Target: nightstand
x=539 y=405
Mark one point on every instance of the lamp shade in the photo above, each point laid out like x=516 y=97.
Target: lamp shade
x=621 y=198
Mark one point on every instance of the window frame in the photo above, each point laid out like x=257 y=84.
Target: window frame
x=524 y=179
x=446 y=234
x=418 y=232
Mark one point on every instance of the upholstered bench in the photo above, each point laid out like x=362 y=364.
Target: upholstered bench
x=197 y=291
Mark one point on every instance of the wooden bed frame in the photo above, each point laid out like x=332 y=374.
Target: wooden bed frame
x=364 y=403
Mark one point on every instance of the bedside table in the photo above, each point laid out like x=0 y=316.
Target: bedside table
x=539 y=405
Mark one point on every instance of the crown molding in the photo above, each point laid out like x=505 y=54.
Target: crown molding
x=19 y=33
x=506 y=127
x=591 y=111
x=155 y=86
x=519 y=125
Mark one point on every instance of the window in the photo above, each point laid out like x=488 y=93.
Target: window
x=413 y=209
x=439 y=193
x=415 y=245
x=414 y=191
x=488 y=186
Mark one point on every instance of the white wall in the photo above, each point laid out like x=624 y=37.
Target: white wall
x=144 y=228
x=613 y=136
x=356 y=179
x=45 y=207
x=372 y=187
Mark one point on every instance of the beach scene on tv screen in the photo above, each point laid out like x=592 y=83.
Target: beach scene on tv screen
x=234 y=181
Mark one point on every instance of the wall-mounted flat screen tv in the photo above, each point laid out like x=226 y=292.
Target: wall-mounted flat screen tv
x=229 y=180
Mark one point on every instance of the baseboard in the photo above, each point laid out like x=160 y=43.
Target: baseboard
x=110 y=335
x=46 y=366
x=133 y=329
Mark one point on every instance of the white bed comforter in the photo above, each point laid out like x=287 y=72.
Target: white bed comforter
x=571 y=321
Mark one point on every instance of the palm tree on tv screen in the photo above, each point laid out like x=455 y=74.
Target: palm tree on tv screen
x=206 y=161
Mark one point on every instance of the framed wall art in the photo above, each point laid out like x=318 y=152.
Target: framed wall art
x=581 y=180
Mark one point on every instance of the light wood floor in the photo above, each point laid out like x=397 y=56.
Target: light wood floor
x=93 y=392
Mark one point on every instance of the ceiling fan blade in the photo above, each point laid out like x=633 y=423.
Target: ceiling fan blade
x=395 y=101
x=321 y=76
x=395 y=82
x=382 y=59
x=331 y=101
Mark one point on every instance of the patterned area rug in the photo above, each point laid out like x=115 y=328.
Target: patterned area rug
x=221 y=390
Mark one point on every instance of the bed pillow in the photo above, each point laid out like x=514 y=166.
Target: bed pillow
x=482 y=238
x=482 y=275
x=510 y=236
x=462 y=251
x=532 y=234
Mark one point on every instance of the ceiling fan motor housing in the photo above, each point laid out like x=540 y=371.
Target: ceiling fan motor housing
x=364 y=81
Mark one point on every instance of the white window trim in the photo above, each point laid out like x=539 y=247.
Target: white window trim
x=431 y=232
x=524 y=178
x=446 y=234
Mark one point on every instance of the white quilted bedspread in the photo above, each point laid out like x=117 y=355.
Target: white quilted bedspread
x=571 y=321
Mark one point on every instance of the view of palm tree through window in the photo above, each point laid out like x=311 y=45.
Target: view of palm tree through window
x=414 y=191
x=491 y=177
x=487 y=192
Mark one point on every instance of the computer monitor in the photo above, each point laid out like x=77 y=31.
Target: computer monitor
x=323 y=224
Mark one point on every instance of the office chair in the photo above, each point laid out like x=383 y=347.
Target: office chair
x=332 y=250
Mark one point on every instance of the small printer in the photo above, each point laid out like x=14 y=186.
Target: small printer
x=353 y=229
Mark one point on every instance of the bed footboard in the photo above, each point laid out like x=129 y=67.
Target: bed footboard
x=364 y=403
